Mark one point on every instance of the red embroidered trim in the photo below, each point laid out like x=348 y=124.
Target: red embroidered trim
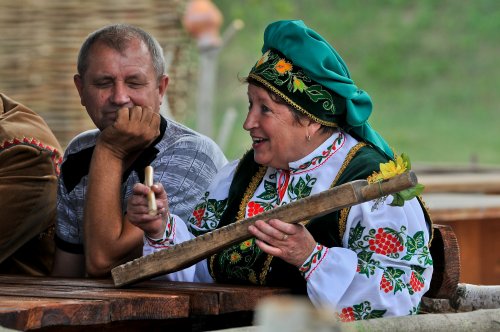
x=54 y=153
x=169 y=239
x=319 y=262
x=333 y=149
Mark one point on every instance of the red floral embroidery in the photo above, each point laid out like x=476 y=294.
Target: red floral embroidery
x=254 y=208
x=415 y=282
x=198 y=215
x=360 y=311
x=385 y=243
x=386 y=285
x=347 y=315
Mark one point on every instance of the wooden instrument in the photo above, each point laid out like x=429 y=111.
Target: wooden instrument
x=190 y=252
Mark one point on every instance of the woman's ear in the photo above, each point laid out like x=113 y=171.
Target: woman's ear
x=313 y=127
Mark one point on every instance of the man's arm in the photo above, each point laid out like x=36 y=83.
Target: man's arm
x=108 y=237
x=67 y=264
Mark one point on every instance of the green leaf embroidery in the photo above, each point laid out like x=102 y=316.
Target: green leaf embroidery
x=316 y=93
x=366 y=264
x=270 y=192
x=355 y=235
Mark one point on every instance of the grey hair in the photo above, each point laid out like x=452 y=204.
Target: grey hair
x=117 y=36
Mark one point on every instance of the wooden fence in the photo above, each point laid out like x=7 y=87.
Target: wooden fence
x=39 y=43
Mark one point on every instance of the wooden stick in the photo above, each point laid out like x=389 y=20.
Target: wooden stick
x=190 y=252
x=148 y=181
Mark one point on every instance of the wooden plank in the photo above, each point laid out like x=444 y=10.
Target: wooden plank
x=440 y=203
x=123 y=304
x=27 y=313
x=204 y=298
x=231 y=298
x=461 y=182
x=187 y=253
x=466 y=214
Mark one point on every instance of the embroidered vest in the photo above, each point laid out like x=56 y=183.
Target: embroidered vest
x=245 y=263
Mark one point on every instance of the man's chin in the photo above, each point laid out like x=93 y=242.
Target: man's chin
x=104 y=124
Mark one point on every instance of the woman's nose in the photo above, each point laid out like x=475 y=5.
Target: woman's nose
x=250 y=121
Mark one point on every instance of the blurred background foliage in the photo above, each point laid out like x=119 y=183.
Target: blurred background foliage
x=430 y=66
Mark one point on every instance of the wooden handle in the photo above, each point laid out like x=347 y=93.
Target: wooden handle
x=148 y=181
x=190 y=252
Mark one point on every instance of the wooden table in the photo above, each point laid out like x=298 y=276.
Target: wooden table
x=56 y=304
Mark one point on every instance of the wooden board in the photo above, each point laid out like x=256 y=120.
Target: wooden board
x=33 y=302
x=461 y=182
x=187 y=253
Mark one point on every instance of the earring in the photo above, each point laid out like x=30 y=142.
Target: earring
x=308 y=137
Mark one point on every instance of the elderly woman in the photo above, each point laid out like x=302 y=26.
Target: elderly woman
x=308 y=124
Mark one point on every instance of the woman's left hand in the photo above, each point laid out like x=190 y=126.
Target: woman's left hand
x=291 y=242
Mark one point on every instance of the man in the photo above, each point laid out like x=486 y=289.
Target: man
x=30 y=156
x=121 y=81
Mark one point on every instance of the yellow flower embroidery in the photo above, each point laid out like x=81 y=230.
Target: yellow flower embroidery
x=282 y=67
x=235 y=257
x=262 y=59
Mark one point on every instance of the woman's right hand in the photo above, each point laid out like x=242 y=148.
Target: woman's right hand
x=138 y=210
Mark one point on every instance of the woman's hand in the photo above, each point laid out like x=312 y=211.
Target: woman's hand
x=138 y=210
x=291 y=242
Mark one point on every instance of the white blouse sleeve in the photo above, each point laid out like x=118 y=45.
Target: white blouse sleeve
x=383 y=268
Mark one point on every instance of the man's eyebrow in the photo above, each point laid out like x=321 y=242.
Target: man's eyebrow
x=102 y=77
x=136 y=76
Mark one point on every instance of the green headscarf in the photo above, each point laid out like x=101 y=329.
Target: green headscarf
x=305 y=70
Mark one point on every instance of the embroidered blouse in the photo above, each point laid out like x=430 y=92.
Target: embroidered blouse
x=382 y=268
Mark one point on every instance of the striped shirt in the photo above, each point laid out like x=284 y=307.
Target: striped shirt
x=183 y=160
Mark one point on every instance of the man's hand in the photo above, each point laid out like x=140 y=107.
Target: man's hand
x=134 y=129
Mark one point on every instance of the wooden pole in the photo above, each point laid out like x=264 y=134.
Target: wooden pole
x=467 y=298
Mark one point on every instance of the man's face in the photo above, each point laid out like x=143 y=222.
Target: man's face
x=115 y=80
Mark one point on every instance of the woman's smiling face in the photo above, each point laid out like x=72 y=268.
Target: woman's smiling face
x=278 y=138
